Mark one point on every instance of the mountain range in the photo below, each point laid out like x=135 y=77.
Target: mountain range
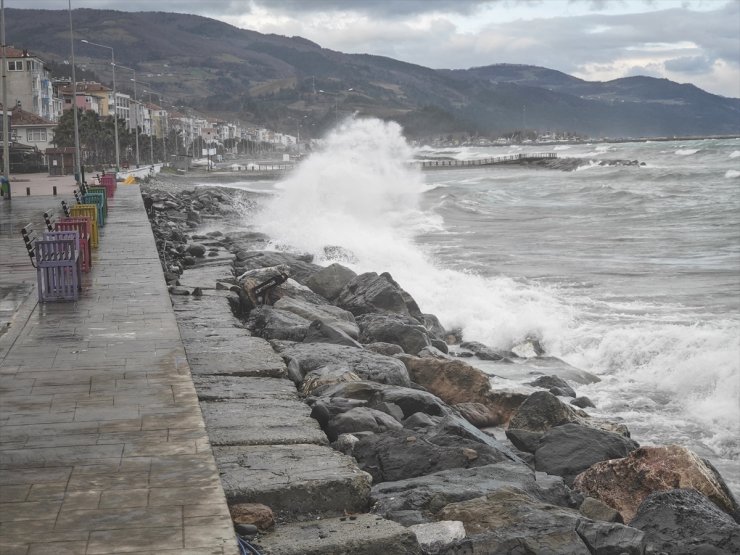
x=294 y=84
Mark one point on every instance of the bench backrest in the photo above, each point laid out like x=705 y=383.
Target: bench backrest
x=63 y=237
x=85 y=211
x=65 y=208
x=29 y=238
x=49 y=220
x=80 y=225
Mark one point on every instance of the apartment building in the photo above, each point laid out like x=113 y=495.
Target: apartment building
x=29 y=84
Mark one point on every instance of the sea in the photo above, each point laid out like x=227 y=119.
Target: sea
x=631 y=272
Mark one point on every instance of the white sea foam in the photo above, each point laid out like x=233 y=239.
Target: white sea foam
x=359 y=193
x=686 y=151
x=732 y=174
x=735 y=154
x=562 y=147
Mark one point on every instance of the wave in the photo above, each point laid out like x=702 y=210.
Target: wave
x=732 y=174
x=686 y=151
x=358 y=192
x=735 y=154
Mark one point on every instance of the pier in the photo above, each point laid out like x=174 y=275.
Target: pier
x=497 y=160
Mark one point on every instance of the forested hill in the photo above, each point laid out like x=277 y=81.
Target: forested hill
x=289 y=81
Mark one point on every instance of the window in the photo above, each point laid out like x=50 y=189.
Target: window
x=36 y=135
x=15 y=65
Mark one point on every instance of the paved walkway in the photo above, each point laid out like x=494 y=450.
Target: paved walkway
x=102 y=442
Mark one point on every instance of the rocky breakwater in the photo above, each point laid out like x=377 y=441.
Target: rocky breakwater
x=350 y=417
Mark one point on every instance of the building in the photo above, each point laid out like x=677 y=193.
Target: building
x=29 y=84
x=31 y=130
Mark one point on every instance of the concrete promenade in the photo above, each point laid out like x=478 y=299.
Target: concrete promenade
x=102 y=443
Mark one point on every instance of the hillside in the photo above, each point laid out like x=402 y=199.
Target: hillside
x=291 y=82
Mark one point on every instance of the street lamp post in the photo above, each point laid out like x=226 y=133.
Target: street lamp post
x=151 y=130
x=78 y=157
x=335 y=95
x=115 y=100
x=136 y=114
x=163 y=119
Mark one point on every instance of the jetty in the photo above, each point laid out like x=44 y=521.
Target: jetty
x=491 y=161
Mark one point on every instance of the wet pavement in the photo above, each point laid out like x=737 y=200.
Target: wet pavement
x=102 y=443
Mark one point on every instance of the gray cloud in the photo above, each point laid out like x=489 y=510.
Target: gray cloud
x=689 y=64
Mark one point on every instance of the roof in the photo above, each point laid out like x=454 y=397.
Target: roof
x=86 y=87
x=11 y=52
x=20 y=117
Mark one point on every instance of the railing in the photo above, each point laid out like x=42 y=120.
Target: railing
x=426 y=164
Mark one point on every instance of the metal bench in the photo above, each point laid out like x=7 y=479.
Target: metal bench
x=82 y=226
x=56 y=257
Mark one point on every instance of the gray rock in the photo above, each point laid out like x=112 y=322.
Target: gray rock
x=322 y=332
x=388 y=349
x=434 y=327
x=582 y=402
x=360 y=419
x=684 y=522
x=273 y=323
x=570 y=449
x=540 y=412
x=399 y=455
x=391 y=409
x=609 y=538
x=509 y=520
x=327 y=375
x=368 y=365
x=176 y=290
x=329 y=281
x=434 y=537
x=482 y=351
x=358 y=534
x=428 y=494
x=371 y=394
x=328 y=313
x=300 y=268
x=196 y=249
x=549 y=382
x=596 y=509
x=524 y=440
x=370 y=292
x=440 y=345
x=404 y=331
x=420 y=420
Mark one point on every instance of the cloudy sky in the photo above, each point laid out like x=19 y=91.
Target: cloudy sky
x=689 y=41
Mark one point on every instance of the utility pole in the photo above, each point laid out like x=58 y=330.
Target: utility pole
x=115 y=100
x=6 y=131
x=78 y=161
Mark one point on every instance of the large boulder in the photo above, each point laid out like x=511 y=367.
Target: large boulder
x=398 y=455
x=625 y=483
x=360 y=419
x=328 y=282
x=320 y=331
x=511 y=521
x=300 y=266
x=327 y=375
x=684 y=522
x=404 y=331
x=540 y=412
x=370 y=292
x=365 y=393
x=302 y=358
x=455 y=381
x=570 y=449
x=482 y=351
x=427 y=495
x=611 y=538
x=328 y=313
x=434 y=327
x=272 y=323
x=555 y=385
